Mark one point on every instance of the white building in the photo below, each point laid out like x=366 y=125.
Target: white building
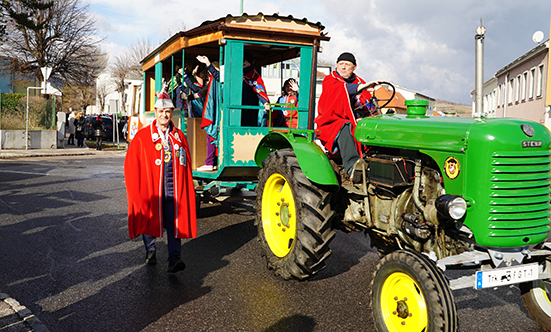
x=113 y=100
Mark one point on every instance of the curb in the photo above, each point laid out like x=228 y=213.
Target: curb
x=38 y=153
x=24 y=314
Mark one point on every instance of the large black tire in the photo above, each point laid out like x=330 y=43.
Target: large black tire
x=294 y=218
x=409 y=293
x=537 y=300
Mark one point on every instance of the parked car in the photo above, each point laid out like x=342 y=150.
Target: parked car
x=89 y=131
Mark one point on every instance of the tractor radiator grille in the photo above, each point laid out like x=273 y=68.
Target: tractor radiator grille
x=520 y=191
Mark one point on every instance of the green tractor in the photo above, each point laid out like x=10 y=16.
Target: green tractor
x=436 y=193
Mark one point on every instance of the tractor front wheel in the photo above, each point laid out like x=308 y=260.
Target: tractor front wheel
x=294 y=218
x=536 y=297
x=409 y=293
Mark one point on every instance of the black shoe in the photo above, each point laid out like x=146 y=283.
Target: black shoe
x=151 y=257
x=176 y=265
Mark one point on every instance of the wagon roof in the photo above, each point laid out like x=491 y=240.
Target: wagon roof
x=259 y=27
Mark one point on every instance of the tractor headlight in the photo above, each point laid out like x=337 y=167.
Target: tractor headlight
x=451 y=206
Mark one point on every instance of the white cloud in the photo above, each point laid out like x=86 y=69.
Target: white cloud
x=426 y=45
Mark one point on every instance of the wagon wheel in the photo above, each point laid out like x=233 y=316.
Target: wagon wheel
x=409 y=293
x=536 y=297
x=294 y=218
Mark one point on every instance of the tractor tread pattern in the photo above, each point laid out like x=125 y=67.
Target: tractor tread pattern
x=436 y=291
x=314 y=219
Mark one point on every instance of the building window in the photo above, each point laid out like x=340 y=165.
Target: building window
x=511 y=95
x=532 y=83
x=494 y=101
x=498 y=96
x=517 y=89
x=271 y=71
x=524 y=86
x=539 y=87
x=504 y=93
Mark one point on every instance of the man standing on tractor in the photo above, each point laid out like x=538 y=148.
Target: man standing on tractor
x=344 y=96
x=159 y=186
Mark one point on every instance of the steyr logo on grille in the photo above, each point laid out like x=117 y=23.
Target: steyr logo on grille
x=531 y=144
x=527 y=130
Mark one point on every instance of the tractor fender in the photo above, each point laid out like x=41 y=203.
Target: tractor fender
x=312 y=160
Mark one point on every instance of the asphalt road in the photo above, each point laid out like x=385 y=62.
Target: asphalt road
x=65 y=255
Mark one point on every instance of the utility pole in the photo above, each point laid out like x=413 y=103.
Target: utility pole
x=479 y=70
x=241 y=7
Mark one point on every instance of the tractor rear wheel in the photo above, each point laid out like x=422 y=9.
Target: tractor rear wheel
x=294 y=218
x=409 y=293
x=536 y=297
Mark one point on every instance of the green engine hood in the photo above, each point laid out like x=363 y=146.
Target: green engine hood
x=415 y=132
x=503 y=169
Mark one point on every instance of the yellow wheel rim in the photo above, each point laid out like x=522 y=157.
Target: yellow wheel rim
x=402 y=304
x=541 y=295
x=278 y=215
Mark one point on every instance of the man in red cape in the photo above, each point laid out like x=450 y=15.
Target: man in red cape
x=336 y=120
x=159 y=185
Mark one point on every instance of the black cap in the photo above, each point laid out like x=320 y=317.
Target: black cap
x=248 y=57
x=347 y=57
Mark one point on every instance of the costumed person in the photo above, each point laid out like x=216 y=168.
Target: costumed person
x=289 y=95
x=71 y=129
x=210 y=122
x=175 y=88
x=159 y=186
x=338 y=103
x=99 y=128
x=79 y=129
x=254 y=94
x=134 y=124
x=195 y=91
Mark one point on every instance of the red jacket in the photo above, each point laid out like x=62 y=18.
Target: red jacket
x=143 y=175
x=334 y=110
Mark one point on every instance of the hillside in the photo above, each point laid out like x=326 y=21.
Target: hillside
x=448 y=106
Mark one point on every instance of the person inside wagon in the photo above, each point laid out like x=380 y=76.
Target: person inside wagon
x=195 y=90
x=337 y=108
x=254 y=94
x=210 y=122
x=289 y=95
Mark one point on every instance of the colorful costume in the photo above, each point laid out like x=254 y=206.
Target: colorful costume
x=254 y=94
x=335 y=111
x=144 y=173
x=290 y=116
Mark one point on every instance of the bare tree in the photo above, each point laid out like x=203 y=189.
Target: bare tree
x=81 y=94
x=136 y=53
x=127 y=65
x=60 y=36
x=103 y=89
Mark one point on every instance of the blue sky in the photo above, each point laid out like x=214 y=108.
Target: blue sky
x=424 y=45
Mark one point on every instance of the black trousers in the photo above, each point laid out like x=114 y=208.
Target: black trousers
x=347 y=147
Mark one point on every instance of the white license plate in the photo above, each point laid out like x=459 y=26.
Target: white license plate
x=507 y=275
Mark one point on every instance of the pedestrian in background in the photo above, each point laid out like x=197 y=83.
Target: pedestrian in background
x=71 y=128
x=159 y=186
x=99 y=128
x=79 y=129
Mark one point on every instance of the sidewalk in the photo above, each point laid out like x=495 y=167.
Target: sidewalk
x=16 y=318
x=68 y=150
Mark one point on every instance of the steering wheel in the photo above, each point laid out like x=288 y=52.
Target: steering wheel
x=374 y=100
